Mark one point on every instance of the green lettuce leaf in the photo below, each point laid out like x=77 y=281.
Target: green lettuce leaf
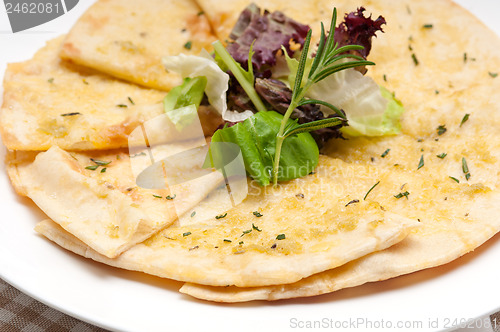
x=182 y=102
x=256 y=137
x=386 y=123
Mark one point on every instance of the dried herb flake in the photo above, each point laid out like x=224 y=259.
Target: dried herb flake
x=421 y=162
x=465 y=169
x=369 y=191
x=442 y=155
x=465 y=119
x=441 y=130
x=401 y=195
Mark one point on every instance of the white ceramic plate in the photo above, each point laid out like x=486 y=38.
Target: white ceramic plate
x=430 y=300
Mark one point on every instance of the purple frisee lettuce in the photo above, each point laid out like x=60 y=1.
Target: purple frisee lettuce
x=268 y=32
x=356 y=29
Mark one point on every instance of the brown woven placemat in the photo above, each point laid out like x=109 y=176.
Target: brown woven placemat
x=19 y=312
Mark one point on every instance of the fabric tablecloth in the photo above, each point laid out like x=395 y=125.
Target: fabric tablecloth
x=20 y=312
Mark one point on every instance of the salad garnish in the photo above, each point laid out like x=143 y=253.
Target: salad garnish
x=281 y=101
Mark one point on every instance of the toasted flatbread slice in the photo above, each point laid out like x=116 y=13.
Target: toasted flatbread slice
x=127 y=39
x=275 y=236
x=102 y=205
x=48 y=102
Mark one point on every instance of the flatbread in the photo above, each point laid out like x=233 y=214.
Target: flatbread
x=127 y=39
x=105 y=209
x=454 y=220
x=52 y=102
x=440 y=90
x=320 y=230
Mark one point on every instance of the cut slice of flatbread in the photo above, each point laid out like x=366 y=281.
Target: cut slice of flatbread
x=275 y=236
x=52 y=102
x=128 y=38
x=102 y=205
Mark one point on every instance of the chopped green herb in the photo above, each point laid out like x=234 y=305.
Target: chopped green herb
x=51 y=80
x=369 y=191
x=465 y=57
x=386 y=152
x=186 y=234
x=193 y=214
x=436 y=92
x=415 y=60
x=100 y=162
x=121 y=105
x=226 y=240
x=493 y=74
x=85 y=82
x=352 y=202
x=71 y=114
x=410 y=48
x=188 y=45
x=441 y=129
x=455 y=179
x=171 y=197
x=385 y=77
x=246 y=232
x=442 y=155
x=280 y=237
x=421 y=162
x=131 y=101
x=464 y=119
x=256 y=228
x=92 y=168
x=465 y=169
x=157 y=196
x=428 y=26
x=103 y=170
x=221 y=216
x=401 y=195
x=241 y=242
x=201 y=13
x=257 y=214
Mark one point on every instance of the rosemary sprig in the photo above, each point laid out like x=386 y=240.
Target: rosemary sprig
x=326 y=62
